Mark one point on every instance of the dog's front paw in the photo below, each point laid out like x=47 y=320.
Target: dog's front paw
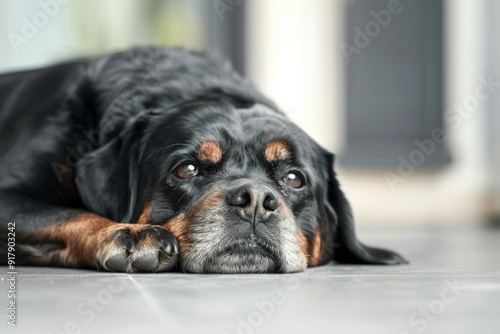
x=137 y=248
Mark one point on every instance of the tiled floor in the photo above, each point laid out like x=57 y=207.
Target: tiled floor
x=451 y=286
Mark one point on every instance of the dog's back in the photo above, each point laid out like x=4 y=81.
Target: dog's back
x=45 y=114
x=34 y=126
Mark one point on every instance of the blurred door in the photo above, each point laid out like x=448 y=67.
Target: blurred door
x=394 y=82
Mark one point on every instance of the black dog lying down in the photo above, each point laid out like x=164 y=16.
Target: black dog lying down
x=161 y=159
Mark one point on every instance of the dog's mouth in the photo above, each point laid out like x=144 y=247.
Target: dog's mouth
x=245 y=255
x=249 y=246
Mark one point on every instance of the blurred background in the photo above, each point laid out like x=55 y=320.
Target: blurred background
x=406 y=93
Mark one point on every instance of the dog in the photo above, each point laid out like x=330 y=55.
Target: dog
x=163 y=159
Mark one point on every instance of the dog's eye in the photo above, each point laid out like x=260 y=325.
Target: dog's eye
x=294 y=180
x=186 y=171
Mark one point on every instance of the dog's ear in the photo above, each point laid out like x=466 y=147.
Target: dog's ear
x=347 y=248
x=108 y=178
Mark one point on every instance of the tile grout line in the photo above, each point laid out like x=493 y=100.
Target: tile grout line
x=157 y=308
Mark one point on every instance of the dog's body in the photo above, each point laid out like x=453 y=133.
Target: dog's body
x=155 y=159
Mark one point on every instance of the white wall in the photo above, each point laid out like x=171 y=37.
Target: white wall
x=294 y=60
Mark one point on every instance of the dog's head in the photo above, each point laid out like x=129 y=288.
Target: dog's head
x=242 y=188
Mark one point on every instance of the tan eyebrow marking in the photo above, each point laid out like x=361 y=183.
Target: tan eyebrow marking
x=210 y=151
x=277 y=150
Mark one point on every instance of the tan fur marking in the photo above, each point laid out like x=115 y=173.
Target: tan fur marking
x=207 y=201
x=312 y=250
x=304 y=244
x=316 y=250
x=146 y=214
x=277 y=150
x=210 y=151
x=147 y=241
x=179 y=225
x=79 y=237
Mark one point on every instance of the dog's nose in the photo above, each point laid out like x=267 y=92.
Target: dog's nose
x=255 y=201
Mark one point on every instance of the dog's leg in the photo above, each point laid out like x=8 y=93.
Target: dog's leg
x=58 y=236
